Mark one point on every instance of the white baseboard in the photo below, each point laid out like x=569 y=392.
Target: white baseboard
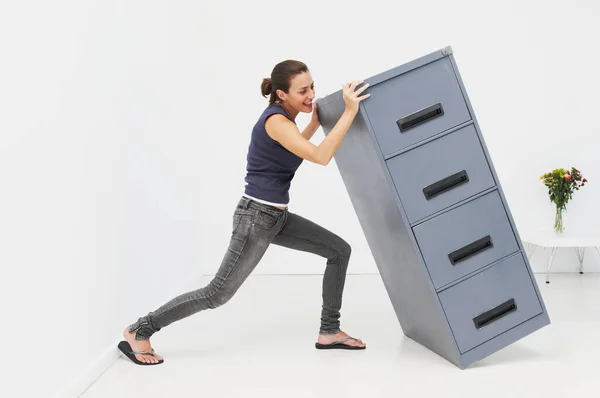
x=86 y=378
x=111 y=354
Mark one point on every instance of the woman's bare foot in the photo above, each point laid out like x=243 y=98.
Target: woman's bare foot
x=332 y=338
x=141 y=346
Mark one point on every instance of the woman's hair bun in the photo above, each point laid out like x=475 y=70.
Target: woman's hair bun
x=266 y=87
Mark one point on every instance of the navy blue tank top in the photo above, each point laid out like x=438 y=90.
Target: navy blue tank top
x=270 y=167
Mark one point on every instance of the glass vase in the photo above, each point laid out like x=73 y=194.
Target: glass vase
x=558 y=220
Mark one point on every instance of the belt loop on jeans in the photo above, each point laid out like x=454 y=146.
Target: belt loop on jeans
x=246 y=202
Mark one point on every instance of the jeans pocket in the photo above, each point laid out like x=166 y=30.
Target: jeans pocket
x=238 y=217
x=266 y=220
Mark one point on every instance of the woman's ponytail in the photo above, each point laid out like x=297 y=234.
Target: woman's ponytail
x=266 y=87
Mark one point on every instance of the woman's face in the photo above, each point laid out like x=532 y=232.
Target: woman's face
x=301 y=93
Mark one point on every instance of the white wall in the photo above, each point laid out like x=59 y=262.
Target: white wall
x=106 y=110
x=530 y=69
x=125 y=124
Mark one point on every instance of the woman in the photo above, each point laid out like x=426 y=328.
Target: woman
x=277 y=148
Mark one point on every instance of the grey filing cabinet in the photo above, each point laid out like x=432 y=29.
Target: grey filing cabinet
x=430 y=204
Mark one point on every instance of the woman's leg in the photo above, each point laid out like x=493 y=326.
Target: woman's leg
x=298 y=233
x=249 y=241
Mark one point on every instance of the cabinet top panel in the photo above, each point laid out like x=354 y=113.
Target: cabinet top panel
x=391 y=73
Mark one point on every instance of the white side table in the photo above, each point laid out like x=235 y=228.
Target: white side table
x=555 y=242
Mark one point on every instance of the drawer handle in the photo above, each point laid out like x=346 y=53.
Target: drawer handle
x=420 y=117
x=494 y=314
x=470 y=250
x=446 y=184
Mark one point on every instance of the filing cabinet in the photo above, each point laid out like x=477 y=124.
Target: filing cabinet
x=428 y=199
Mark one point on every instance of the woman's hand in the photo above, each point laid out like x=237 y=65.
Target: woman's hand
x=314 y=120
x=351 y=97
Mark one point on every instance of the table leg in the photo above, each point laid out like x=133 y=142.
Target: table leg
x=580 y=254
x=530 y=249
x=550 y=264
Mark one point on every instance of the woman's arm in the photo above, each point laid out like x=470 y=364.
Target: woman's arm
x=284 y=131
x=309 y=131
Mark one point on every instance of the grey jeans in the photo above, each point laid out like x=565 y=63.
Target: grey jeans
x=255 y=227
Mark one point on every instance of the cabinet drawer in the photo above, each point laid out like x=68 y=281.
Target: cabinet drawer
x=415 y=105
x=490 y=303
x=440 y=173
x=465 y=239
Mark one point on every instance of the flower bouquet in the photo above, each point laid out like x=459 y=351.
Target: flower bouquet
x=561 y=184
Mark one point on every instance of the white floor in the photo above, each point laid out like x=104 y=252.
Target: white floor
x=261 y=344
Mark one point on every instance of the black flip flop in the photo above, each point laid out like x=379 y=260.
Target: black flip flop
x=125 y=348
x=339 y=346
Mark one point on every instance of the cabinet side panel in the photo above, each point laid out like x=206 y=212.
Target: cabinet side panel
x=362 y=168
